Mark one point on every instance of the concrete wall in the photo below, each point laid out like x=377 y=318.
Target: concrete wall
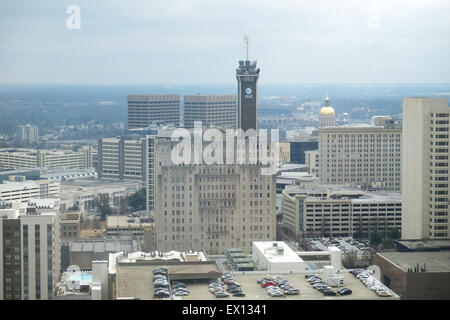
x=414 y=285
x=394 y=273
x=428 y=285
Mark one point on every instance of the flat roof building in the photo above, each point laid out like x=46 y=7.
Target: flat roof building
x=11 y=158
x=338 y=211
x=276 y=257
x=211 y=110
x=425 y=168
x=361 y=154
x=144 y=109
x=416 y=275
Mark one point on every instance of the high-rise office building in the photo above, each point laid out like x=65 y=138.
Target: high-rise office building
x=247 y=76
x=425 y=168
x=361 y=155
x=29 y=250
x=211 y=110
x=122 y=158
x=29 y=134
x=144 y=109
x=211 y=207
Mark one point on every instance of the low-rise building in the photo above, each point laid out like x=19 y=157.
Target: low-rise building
x=84 y=251
x=11 y=158
x=276 y=257
x=84 y=192
x=70 y=225
x=24 y=191
x=416 y=275
x=337 y=211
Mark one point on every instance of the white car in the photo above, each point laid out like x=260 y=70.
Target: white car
x=383 y=293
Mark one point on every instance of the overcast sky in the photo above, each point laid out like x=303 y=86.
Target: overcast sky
x=201 y=41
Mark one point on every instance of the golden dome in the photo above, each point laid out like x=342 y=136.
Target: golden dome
x=327 y=111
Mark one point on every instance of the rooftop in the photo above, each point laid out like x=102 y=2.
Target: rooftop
x=424 y=245
x=437 y=261
x=122 y=243
x=139 y=284
x=125 y=221
x=269 y=250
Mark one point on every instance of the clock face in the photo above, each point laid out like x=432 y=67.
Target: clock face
x=248 y=91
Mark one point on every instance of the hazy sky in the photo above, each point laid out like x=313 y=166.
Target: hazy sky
x=201 y=41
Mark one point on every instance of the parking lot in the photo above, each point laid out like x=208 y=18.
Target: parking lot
x=253 y=291
x=346 y=244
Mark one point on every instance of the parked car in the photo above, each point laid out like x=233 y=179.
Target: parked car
x=221 y=295
x=267 y=284
x=384 y=293
x=329 y=293
x=238 y=294
x=344 y=291
x=292 y=292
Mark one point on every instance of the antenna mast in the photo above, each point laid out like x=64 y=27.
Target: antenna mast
x=246 y=41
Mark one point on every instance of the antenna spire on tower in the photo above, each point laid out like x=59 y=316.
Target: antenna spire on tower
x=246 y=41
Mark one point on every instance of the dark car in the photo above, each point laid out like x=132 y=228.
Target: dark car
x=238 y=294
x=329 y=293
x=259 y=281
x=161 y=294
x=344 y=291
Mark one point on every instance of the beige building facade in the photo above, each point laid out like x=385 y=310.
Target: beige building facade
x=211 y=110
x=425 y=168
x=210 y=207
x=361 y=155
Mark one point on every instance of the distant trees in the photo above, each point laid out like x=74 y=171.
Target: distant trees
x=387 y=242
x=350 y=260
x=75 y=207
x=103 y=206
x=138 y=200
x=394 y=234
x=375 y=238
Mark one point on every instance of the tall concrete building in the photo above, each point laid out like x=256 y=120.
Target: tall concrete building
x=29 y=134
x=122 y=158
x=211 y=207
x=312 y=161
x=144 y=109
x=361 y=155
x=247 y=76
x=29 y=250
x=212 y=110
x=425 y=171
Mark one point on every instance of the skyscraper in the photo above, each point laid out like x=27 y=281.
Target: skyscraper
x=122 y=158
x=216 y=110
x=29 y=134
x=247 y=76
x=425 y=174
x=210 y=207
x=29 y=249
x=361 y=154
x=144 y=109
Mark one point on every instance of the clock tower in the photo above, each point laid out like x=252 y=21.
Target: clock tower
x=247 y=76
